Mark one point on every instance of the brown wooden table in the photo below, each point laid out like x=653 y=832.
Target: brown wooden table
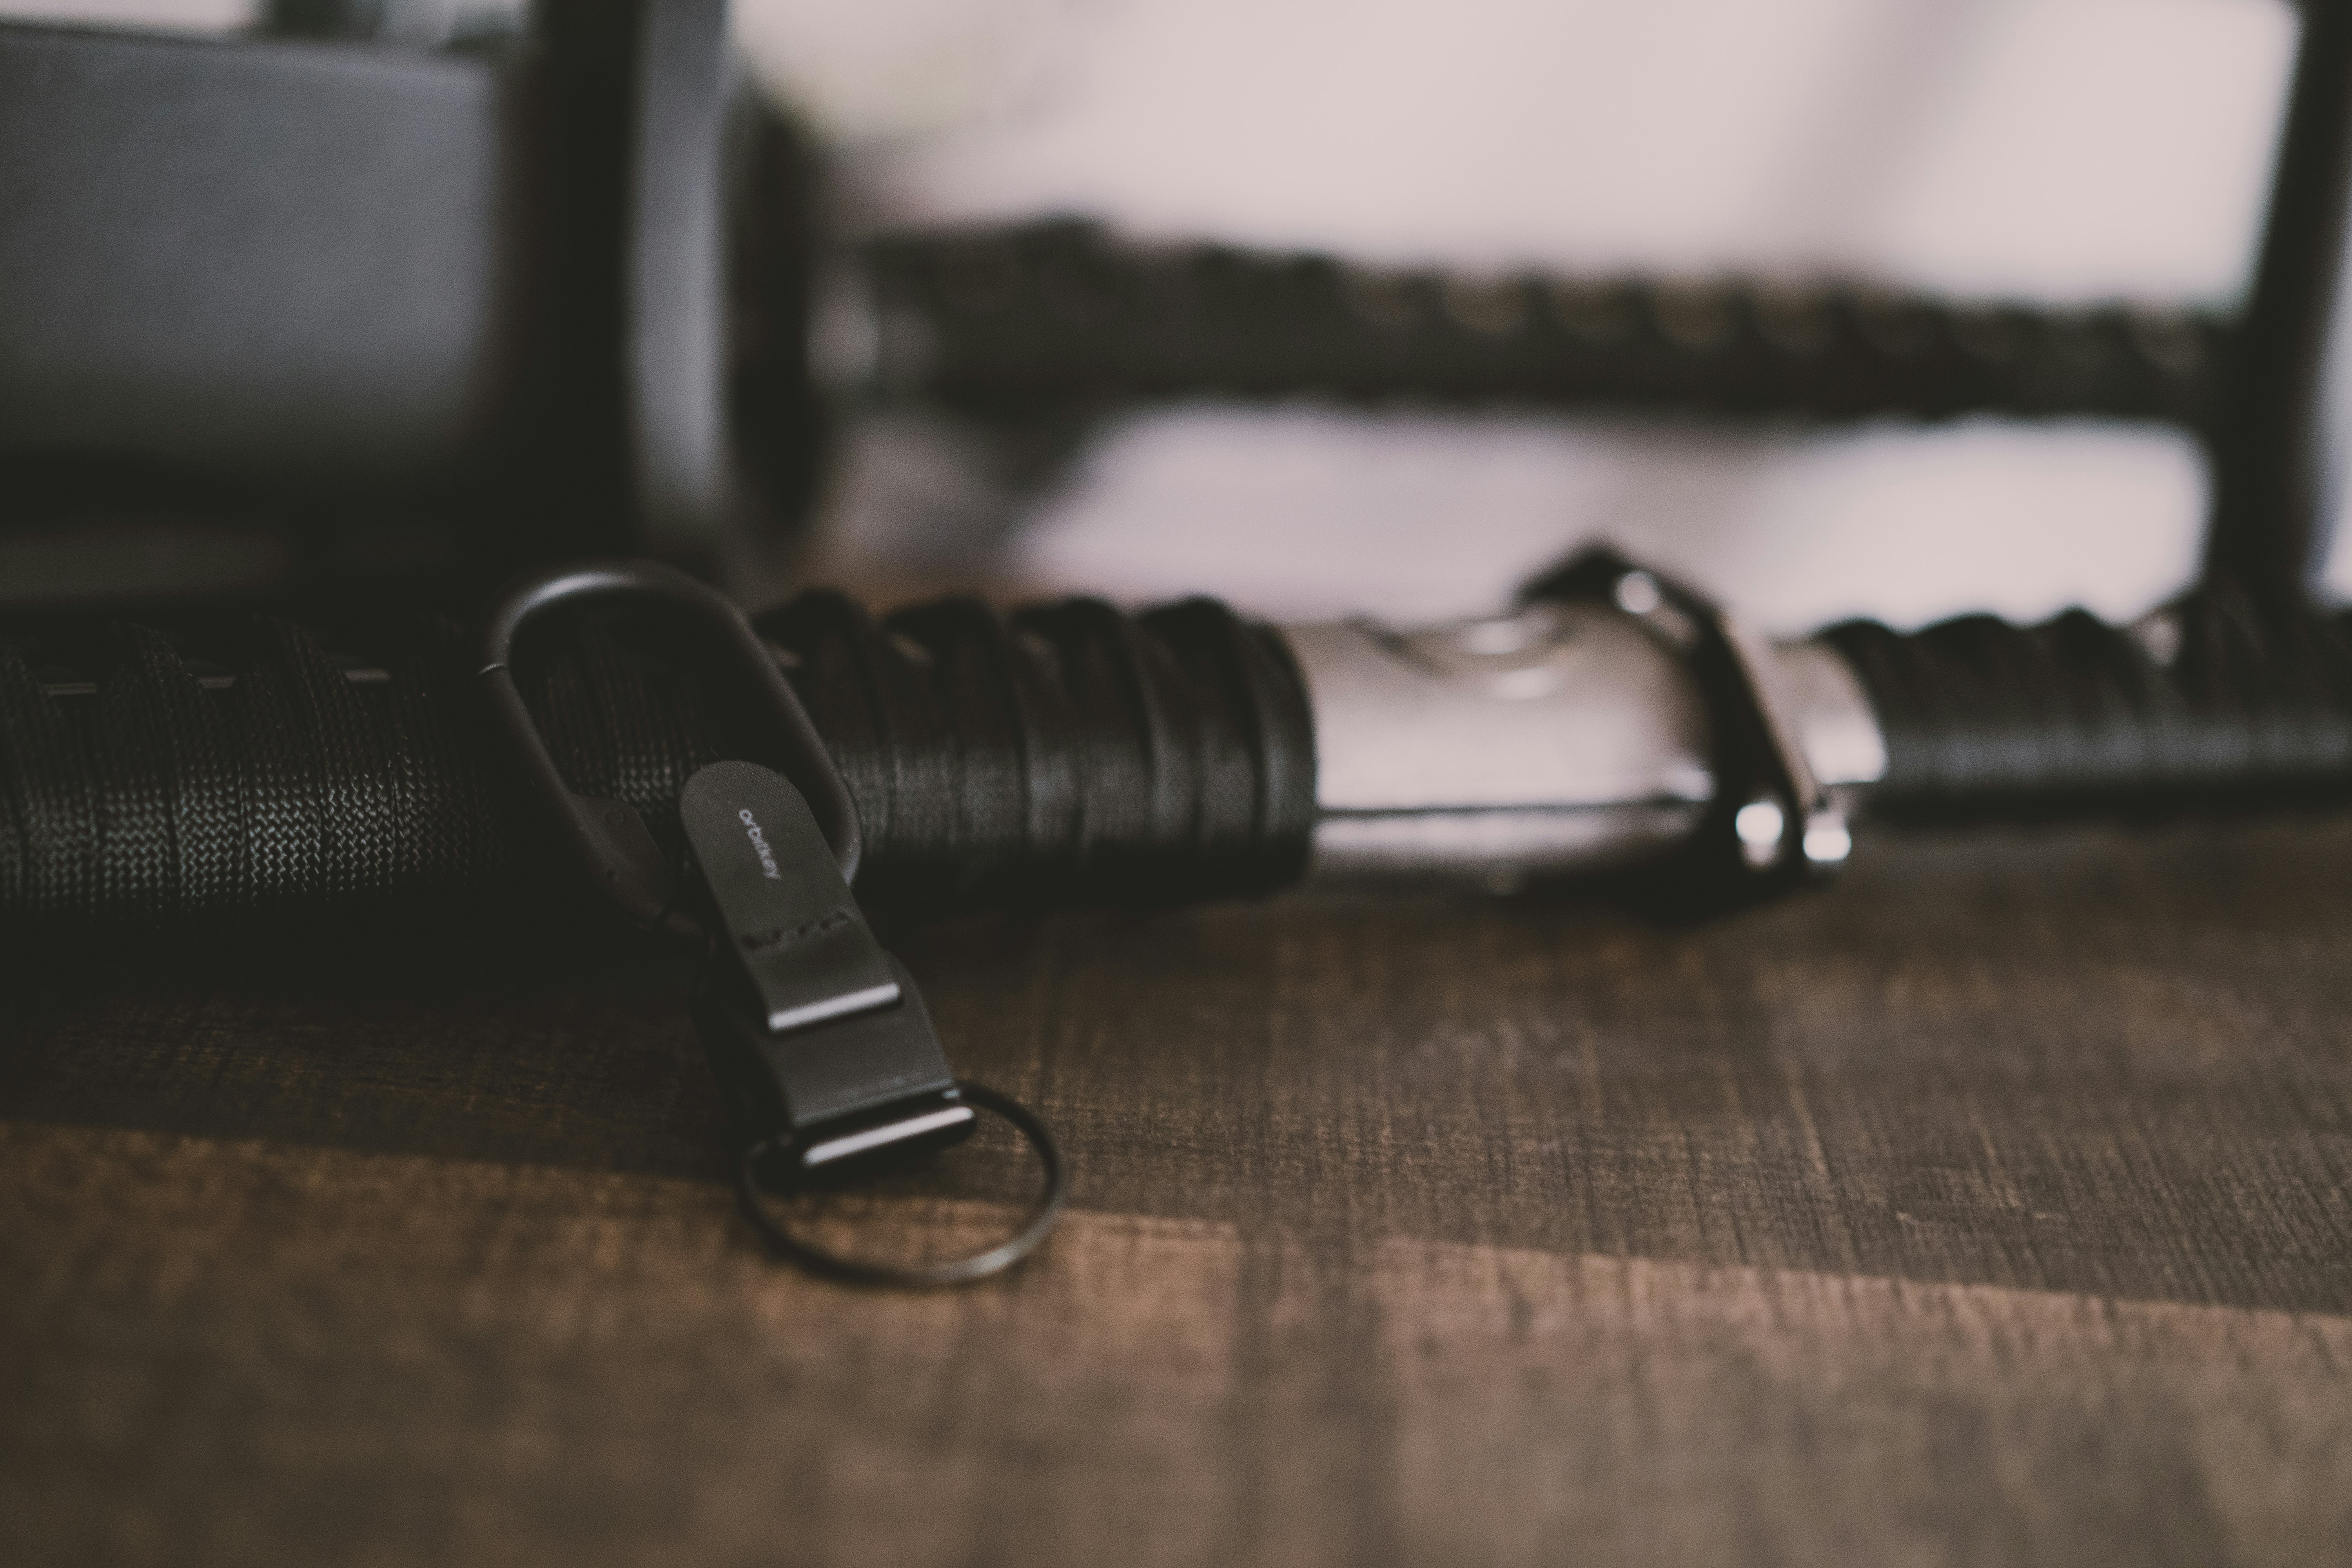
x=1991 y=1207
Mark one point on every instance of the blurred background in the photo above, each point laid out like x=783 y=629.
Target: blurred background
x=2072 y=153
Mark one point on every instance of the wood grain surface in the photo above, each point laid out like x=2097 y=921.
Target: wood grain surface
x=1990 y=1208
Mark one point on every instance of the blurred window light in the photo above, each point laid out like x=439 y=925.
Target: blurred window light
x=2062 y=150
x=2059 y=149
x=1308 y=513
x=2067 y=151
x=175 y=15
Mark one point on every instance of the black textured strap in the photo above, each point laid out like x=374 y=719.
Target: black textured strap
x=2217 y=701
x=1051 y=314
x=1069 y=754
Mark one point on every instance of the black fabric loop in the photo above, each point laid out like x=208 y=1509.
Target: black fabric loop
x=2217 y=702
x=1067 y=756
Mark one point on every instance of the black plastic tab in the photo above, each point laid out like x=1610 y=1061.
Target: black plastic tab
x=841 y=1095
x=818 y=1037
x=819 y=1034
x=783 y=907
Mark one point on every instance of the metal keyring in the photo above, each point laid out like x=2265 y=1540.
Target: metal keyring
x=1043 y=1215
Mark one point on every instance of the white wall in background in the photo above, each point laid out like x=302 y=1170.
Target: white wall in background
x=1311 y=515
x=192 y=16
x=2064 y=148
x=2059 y=149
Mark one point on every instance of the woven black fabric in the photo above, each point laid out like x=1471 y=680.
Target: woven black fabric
x=1070 y=755
x=284 y=790
x=2219 y=701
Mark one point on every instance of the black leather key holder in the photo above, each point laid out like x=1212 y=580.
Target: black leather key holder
x=817 y=1034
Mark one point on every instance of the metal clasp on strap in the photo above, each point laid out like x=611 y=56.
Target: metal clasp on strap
x=1782 y=823
x=606 y=839
x=817 y=1034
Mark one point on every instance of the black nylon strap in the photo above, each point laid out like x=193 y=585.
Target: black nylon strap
x=1070 y=754
x=2219 y=701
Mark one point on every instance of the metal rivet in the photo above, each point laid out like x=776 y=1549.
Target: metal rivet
x=1760 y=824
x=1637 y=594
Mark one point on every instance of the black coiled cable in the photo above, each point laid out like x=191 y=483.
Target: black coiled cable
x=1069 y=755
